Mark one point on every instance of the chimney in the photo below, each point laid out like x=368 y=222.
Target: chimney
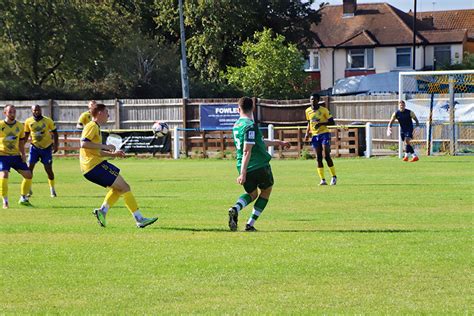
x=349 y=8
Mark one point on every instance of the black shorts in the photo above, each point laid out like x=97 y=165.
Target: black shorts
x=261 y=178
x=406 y=134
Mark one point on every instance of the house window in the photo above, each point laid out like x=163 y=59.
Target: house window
x=442 y=55
x=404 y=57
x=313 y=62
x=360 y=58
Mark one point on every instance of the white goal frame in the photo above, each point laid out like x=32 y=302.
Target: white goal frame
x=401 y=96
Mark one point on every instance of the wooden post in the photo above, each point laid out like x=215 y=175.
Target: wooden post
x=117 y=114
x=257 y=109
x=65 y=143
x=300 y=144
x=221 y=136
x=204 y=144
x=280 y=149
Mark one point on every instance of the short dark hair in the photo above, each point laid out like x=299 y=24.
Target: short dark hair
x=246 y=104
x=96 y=108
x=316 y=96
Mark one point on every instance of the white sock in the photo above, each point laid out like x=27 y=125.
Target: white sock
x=104 y=208
x=138 y=215
x=5 y=200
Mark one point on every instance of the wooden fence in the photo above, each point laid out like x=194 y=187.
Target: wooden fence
x=345 y=142
x=181 y=113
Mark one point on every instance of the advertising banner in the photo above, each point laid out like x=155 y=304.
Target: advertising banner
x=218 y=116
x=138 y=141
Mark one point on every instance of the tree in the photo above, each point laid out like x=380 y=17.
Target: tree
x=272 y=68
x=215 y=29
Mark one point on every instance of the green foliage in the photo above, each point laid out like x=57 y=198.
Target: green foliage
x=130 y=48
x=272 y=68
x=215 y=29
x=467 y=63
x=388 y=239
x=306 y=154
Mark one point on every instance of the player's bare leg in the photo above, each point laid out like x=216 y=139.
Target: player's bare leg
x=330 y=163
x=49 y=171
x=318 y=151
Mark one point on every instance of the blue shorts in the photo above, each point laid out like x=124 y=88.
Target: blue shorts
x=104 y=174
x=406 y=134
x=46 y=155
x=321 y=139
x=15 y=162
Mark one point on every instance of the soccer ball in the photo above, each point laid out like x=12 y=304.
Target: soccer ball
x=160 y=128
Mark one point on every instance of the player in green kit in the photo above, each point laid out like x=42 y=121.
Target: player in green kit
x=253 y=164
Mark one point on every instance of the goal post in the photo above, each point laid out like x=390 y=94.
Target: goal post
x=443 y=101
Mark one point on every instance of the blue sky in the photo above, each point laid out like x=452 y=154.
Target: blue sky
x=422 y=5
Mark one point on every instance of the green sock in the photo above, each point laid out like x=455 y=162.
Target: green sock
x=244 y=200
x=258 y=208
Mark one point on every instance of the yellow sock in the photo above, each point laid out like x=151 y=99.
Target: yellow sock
x=332 y=170
x=51 y=183
x=111 y=197
x=130 y=202
x=25 y=186
x=4 y=187
x=321 y=173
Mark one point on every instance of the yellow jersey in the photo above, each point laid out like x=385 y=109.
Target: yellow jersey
x=85 y=118
x=89 y=158
x=321 y=115
x=40 y=131
x=10 y=135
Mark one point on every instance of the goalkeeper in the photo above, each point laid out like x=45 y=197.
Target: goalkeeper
x=405 y=118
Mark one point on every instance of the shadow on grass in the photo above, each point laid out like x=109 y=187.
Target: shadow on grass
x=364 y=231
x=194 y=229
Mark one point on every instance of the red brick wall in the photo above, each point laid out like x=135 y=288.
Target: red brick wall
x=350 y=73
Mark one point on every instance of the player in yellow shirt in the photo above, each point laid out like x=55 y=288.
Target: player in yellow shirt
x=319 y=119
x=99 y=171
x=12 y=155
x=42 y=144
x=85 y=117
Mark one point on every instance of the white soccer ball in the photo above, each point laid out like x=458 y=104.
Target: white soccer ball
x=160 y=128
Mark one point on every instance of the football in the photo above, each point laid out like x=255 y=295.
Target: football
x=160 y=128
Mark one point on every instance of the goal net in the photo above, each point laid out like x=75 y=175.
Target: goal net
x=443 y=101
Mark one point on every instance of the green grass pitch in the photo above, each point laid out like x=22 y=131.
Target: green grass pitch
x=391 y=237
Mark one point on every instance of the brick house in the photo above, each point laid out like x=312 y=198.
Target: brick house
x=358 y=39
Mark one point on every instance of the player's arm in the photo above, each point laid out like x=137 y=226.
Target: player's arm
x=413 y=116
x=87 y=144
x=90 y=132
x=281 y=143
x=55 y=141
x=308 y=129
x=247 y=153
x=389 y=127
x=21 y=147
x=329 y=122
x=27 y=136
